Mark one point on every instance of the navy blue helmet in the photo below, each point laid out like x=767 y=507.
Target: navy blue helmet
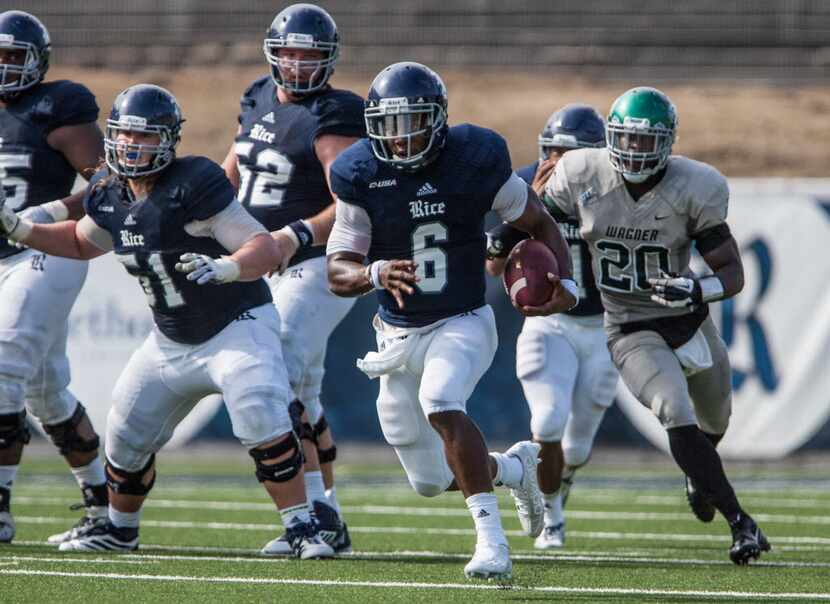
x=303 y=27
x=24 y=33
x=406 y=115
x=571 y=127
x=148 y=109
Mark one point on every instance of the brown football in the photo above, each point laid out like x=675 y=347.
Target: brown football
x=525 y=274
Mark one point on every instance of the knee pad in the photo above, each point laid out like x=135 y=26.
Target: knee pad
x=13 y=429
x=303 y=429
x=284 y=470
x=65 y=434
x=325 y=455
x=426 y=489
x=123 y=482
x=547 y=422
x=577 y=454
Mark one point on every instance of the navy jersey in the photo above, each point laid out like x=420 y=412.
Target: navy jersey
x=149 y=236
x=281 y=179
x=32 y=172
x=434 y=216
x=589 y=296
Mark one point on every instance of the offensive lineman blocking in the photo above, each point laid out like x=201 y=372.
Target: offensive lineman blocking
x=412 y=199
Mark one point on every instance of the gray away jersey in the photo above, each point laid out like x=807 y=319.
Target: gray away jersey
x=632 y=241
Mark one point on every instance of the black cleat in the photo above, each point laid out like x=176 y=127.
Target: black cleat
x=331 y=528
x=7 y=527
x=702 y=509
x=104 y=537
x=747 y=541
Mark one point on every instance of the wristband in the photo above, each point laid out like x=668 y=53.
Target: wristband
x=302 y=231
x=711 y=288
x=21 y=230
x=57 y=210
x=374 y=273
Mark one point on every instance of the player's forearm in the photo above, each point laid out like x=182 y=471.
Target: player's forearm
x=548 y=232
x=348 y=276
x=321 y=224
x=725 y=262
x=256 y=257
x=58 y=239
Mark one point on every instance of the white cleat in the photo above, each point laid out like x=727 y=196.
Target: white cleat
x=7 y=528
x=304 y=541
x=104 y=537
x=530 y=505
x=490 y=561
x=278 y=547
x=552 y=537
x=83 y=526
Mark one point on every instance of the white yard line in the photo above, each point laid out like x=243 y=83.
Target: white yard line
x=88 y=560
x=730 y=595
x=408 y=530
x=390 y=510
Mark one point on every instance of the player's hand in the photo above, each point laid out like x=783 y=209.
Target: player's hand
x=287 y=248
x=543 y=172
x=398 y=276
x=35 y=214
x=8 y=219
x=676 y=292
x=204 y=269
x=560 y=300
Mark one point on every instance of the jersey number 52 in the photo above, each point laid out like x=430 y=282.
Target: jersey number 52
x=264 y=184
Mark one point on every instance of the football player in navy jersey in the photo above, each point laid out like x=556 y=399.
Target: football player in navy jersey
x=562 y=360
x=175 y=224
x=412 y=199
x=292 y=126
x=48 y=135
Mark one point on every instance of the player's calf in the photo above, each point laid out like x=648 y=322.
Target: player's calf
x=14 y=434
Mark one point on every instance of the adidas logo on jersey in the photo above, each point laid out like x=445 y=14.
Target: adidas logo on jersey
x=426 y=189
x=269 y=119
x=482 y=513
x=379 y=184
x=259 y=133
x=129 y=221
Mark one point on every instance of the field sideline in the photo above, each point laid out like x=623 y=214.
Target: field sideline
x=631 y=538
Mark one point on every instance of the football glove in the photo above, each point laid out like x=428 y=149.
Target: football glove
x=676 y=292
x=204 y=269
x=8 y=219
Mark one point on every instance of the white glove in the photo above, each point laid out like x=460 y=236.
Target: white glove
x=39 y=215
x=204 y=269
x=676 y=292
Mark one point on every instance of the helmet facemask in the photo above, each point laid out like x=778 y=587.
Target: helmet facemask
x=123 y=158
x=308 y=75
x=405 y=134
x=637 y=149
x=15 y=78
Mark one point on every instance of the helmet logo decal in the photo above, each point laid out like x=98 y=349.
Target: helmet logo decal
x=6 y=39
x=132 y=121
x=300 y=40
x=636 y=122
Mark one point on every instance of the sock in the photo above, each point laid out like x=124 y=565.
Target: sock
x=509 y=470
x=7 y=476
x=295 y=514
x=484 y=508
x=91 y=474
x=314 y=488
x=124 y=519
x=699 y=460
x=553 y=509
x=331 y=495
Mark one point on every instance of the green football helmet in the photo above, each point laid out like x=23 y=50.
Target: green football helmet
x=640 y=132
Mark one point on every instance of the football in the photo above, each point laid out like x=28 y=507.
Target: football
x=525 y=274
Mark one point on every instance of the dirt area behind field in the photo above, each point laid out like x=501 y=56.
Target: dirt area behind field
x=742 y=129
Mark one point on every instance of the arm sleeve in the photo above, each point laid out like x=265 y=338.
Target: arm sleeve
x=97 y=236
x=352 y=231
x=232 y=227
x=712 y=212
x=511 y=199
x=557 y=195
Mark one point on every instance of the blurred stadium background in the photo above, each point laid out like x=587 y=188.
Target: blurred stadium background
x=750 y=82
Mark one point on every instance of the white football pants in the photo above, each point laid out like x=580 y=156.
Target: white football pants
x=568 y=379
x=164 y=380
x=37 y=292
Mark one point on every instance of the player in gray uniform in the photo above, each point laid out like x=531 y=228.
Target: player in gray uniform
x=641 y=209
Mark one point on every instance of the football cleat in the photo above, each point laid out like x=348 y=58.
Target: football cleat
x=331 y=528
x=7 y=527
x=95 y=516
x=530 y=505
x=747 y=541
x=304 y=542
x=490 y=561
x=702 y=509
x=104 y=537
x=552 y=537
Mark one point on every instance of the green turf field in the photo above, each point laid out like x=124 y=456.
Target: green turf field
x=630 y=536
